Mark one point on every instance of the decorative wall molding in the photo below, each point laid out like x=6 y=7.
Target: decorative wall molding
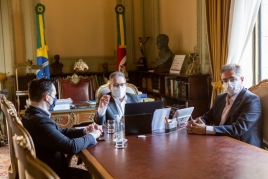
x=202 y=38
x=129 y=17
x=15 y=57
x=89 y=58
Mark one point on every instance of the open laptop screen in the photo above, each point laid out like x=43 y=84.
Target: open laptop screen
x=144 y=107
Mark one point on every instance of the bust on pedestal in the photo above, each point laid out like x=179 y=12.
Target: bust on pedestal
x=165 y=57
x=57 y=66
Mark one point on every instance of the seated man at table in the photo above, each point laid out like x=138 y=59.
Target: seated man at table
x=236 y=113
x=50 y=141
x=114 y=102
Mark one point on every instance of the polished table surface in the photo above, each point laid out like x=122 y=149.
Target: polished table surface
x=177 y=155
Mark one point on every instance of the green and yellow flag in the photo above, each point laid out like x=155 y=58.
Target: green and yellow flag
x=121 y=39
x=42 y=49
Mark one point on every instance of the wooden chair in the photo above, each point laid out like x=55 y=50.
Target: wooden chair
x=30 y=166
x=5 y=106
x=261 y=90
x=104 y=89
x=11 y=119
x=78 y=88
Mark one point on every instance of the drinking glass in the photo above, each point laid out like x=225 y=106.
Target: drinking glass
x=111 y=126
x=119 y=135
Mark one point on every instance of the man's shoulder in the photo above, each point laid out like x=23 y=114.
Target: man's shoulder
x=249 y=94
x=35 y=115
x=133 y=97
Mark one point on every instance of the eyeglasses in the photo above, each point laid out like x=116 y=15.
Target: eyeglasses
x=232 y=79
x=117 y=85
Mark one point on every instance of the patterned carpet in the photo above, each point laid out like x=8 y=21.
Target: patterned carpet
x=5 y=162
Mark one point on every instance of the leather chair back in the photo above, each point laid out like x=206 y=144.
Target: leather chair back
x=261 y=90
x=30 y=167
x=104 y=89
x=78 y=88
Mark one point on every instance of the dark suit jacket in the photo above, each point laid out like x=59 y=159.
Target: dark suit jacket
x=51 y=142
x=243 y=121
x=112 y=109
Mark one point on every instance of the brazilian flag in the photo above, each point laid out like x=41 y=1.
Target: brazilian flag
x=42 y=49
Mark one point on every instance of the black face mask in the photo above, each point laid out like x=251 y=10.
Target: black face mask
x=51 y=106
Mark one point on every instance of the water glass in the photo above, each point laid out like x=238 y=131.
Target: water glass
x=111 y=126
x=119 y=135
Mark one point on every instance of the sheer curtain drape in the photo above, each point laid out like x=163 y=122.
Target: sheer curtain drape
x=243 y=15
x=217 y=14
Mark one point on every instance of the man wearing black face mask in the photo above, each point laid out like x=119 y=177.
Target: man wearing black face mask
x=114 y=102
x=235 y=113
x=50 y=141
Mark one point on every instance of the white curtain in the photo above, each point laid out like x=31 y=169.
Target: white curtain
x=243 y=15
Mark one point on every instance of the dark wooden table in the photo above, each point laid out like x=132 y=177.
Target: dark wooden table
x=177 y=155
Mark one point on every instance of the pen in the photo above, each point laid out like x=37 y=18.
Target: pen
x=166 y=119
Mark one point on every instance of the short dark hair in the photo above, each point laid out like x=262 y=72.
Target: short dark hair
x=37 y=88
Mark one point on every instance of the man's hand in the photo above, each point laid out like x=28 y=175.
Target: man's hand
x=92 y=127
x=196 y=127
x=104 y=101
x=96 y=133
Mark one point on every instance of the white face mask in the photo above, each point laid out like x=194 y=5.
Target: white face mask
x=119 y=92
x=232 y=88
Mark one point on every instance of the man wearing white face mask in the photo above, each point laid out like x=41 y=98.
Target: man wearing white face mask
x=114 y=102
x=235 y=113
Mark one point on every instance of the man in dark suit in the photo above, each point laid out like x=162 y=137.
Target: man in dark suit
x=50 y=141
x=114 y=102
x=236 y=113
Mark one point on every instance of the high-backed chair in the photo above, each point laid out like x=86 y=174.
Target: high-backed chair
x=5 y=106
x=30 y=166
x=261 y=90
x=78 y=88
x=11 y=119
x=104 y=89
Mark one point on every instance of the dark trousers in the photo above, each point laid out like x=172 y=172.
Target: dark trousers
x=76 y=173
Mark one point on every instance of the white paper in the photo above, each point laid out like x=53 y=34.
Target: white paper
x=158 y=124
x=177 y=64
x=64 y=101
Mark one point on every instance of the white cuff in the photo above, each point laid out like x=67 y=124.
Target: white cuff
x=101 y=111
x=210 y=130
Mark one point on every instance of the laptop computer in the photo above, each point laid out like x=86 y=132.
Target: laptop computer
x=143 y=108
x=137 y=124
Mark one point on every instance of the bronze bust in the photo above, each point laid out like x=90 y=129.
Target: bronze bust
x=165 y=57
x=57 y=66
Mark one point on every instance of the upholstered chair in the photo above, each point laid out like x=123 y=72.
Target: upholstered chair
x=30 y=167
x=78 y=88
x=261 y=90
x=104 y=89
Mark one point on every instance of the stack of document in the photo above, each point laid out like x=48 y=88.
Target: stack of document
x=63 y=104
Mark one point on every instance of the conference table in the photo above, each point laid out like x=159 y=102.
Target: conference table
x=176 y=155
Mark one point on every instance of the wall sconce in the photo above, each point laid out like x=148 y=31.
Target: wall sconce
x=19 y=93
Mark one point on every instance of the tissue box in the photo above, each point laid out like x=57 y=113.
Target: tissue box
x=171 y=126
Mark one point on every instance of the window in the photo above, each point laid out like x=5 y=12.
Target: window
x=263 y=65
